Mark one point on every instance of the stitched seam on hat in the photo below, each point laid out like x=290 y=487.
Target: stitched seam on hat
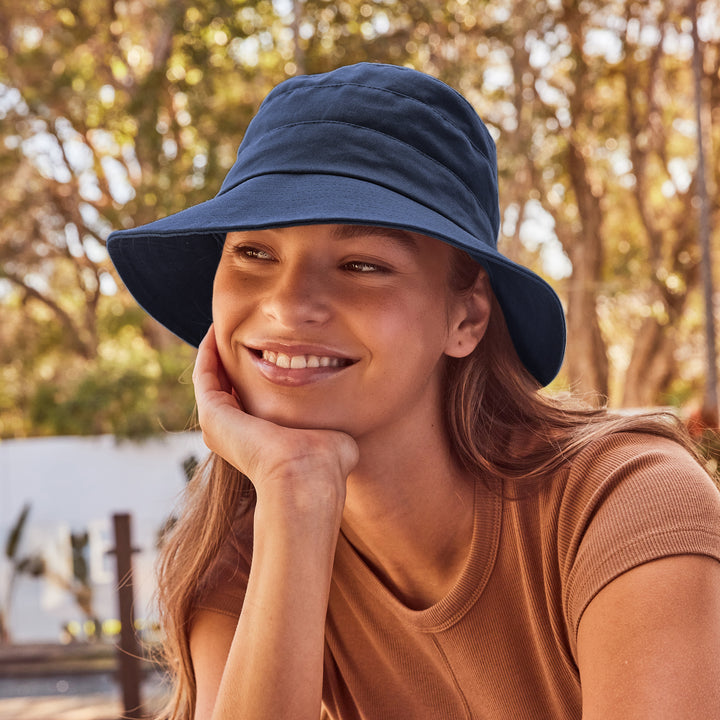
x=362 y=178
x=379 y=132
x=414 y=99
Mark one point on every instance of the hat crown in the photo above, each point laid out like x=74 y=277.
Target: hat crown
x=394 y=126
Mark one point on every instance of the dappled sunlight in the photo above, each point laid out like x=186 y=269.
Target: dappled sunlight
x=117 y=117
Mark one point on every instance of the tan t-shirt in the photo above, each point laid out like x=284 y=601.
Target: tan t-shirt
x=502 y=643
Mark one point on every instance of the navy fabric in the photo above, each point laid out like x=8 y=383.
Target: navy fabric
x=365 y=144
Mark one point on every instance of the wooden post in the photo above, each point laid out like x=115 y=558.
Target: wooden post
x=129 y=658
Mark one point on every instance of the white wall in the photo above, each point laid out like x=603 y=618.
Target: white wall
x=78 y=483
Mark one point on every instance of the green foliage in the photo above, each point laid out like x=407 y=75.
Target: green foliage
x=131 y=395
x=134 y=386
x=115 y=113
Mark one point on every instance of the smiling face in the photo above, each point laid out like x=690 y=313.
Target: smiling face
x=342 y=327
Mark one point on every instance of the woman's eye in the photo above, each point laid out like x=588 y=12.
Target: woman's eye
x=360 y=266
x=253 y=253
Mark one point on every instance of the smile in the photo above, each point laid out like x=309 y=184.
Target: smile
x=301 y=362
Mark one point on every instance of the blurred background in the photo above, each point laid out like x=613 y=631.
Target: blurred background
x=116 y=112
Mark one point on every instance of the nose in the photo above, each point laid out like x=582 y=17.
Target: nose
x=297 y=296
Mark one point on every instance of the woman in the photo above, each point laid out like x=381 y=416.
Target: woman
x=394 y=521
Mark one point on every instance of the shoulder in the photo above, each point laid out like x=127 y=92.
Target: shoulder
x=625 y=500
x=633 y=450
x=641 y=468
x=631 y=479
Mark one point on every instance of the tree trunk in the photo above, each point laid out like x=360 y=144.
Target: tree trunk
x=586 y=362
x=651 y=365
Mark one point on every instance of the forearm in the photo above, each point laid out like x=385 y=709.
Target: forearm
x=275 y=666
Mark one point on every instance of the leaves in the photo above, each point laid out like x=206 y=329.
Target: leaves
x=115 y=113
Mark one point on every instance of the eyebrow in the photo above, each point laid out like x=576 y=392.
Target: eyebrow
x=402 y=237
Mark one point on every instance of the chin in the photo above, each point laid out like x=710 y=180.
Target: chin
x=300 y=419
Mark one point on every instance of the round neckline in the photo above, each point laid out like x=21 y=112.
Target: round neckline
x=487 y=519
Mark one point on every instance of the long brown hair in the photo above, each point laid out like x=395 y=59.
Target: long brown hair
x=504 y=427
x=500 y=424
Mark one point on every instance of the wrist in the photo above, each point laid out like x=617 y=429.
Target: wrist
x=317 y=508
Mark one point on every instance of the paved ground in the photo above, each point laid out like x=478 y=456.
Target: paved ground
x=75 y=682
x=78 y=707
x=57 y=707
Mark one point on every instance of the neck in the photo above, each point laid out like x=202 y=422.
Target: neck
x=409 y=513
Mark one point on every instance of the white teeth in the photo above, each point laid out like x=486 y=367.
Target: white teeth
x=299 y=362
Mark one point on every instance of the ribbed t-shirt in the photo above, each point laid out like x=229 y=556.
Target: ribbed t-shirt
x=502 y=643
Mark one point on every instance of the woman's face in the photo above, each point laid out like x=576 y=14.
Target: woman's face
x=336 y=326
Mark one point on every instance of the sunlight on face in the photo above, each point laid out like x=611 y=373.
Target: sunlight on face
x=335 y=326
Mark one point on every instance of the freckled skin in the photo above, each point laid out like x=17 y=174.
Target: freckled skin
x=378 y=302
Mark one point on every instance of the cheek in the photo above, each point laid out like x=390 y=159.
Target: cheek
x=220 y=315
x=218 y=293
x=414 y=332
x=227 y=313
x=227 y=298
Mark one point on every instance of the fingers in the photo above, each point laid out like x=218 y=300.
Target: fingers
x=209 y=373
x=258 y=448
x=216 y=402
x=227 y=429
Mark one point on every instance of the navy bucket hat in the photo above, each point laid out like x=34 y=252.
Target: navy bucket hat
x=366 y=144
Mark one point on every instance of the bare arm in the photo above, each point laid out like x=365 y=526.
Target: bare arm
x=211 y=636
x=649 y=643
x=274 y=661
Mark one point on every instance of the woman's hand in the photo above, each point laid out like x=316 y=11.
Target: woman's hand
x=299 y=477
x=302 y=467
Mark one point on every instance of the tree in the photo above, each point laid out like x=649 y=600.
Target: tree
x=116 y=113
x=596 y=106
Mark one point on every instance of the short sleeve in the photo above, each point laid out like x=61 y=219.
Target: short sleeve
x=630 y=499
x=223 y=586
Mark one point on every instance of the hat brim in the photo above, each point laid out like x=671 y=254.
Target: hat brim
x=169 y=265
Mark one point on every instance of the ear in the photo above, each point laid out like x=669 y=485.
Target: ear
x=469 y=315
